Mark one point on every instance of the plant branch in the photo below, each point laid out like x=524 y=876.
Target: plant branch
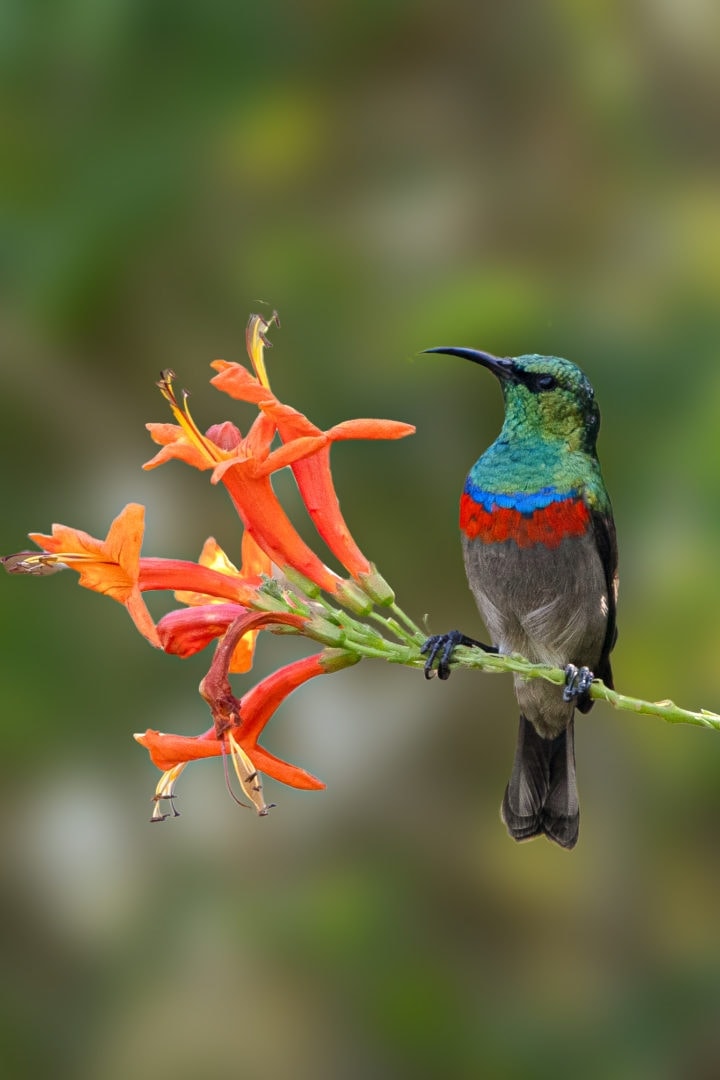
x=343 y=628
x=667 y=710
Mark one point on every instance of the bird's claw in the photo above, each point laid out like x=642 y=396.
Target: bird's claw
x=577 y=682
x=440 y=647
x=443 y=646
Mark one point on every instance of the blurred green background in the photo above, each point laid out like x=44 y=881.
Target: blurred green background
x=528 y=177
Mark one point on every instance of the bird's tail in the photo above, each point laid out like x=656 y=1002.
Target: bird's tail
x=541 y=796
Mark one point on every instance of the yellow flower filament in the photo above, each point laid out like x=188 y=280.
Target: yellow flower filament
x=206 y=447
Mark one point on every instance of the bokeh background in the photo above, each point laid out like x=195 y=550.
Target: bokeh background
x=539 y=176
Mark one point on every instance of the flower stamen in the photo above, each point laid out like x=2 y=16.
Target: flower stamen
x=37 y=563
x=182 y=414
x=228 y=782
x=248 y=777
x=164 y=793
x=256 y=342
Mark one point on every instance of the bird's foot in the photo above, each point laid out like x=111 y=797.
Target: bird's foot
x=440 y=647
x=577 y=682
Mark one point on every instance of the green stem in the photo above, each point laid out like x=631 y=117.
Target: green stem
x=518 y=665
x=666 y=710
x=394 y=628
x=415 y=630
x=357 y=637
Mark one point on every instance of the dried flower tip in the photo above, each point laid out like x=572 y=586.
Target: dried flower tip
x=36 y=563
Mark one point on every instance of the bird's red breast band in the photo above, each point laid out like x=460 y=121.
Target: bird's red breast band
x=548 y=525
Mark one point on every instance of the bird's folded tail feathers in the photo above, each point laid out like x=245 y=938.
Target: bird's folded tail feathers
x=541 y=796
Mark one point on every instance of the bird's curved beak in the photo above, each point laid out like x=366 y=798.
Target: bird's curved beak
x=502 y=366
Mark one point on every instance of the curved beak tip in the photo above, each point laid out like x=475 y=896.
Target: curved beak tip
x=500 y=365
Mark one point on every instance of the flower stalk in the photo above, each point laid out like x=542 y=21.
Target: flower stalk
x=494 y=663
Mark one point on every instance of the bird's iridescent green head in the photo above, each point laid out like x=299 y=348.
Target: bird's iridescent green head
x=545 y=397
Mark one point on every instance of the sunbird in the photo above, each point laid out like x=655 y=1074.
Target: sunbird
x=540 y=552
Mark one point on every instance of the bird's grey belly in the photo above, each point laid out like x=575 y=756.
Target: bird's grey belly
x=549 y=604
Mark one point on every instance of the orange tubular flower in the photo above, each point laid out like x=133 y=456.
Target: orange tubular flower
x=229 y=605
x=189 y=630
x=256 y=708
x=110 y=566
x=312 y=472
x=254 y=568
x=185 y=632
x=238 y=724
x=244 y=466
x=114 y=568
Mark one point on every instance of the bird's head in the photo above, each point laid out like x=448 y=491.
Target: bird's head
x=545 y=396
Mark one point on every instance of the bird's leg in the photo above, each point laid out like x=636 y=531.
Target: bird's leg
x=443 y=646
x=577 y=682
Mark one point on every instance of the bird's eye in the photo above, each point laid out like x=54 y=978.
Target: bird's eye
x=546 y=382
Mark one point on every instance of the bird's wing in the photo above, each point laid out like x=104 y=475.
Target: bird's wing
x=605 y=539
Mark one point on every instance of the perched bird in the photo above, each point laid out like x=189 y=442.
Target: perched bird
x=541 y=560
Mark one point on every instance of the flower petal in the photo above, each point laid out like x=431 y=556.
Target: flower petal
x=313 y=477
x=191 y=579
x=266 y=521
x=255 y=563
x=283 y=771
x=290 y=452
x=291 y=423
x=111 y=566
x=214 y=558
x=167 y=751
x=370 y=429
x=187 y=631
x=175 y=445
x=237 y=382
x=124 y=539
